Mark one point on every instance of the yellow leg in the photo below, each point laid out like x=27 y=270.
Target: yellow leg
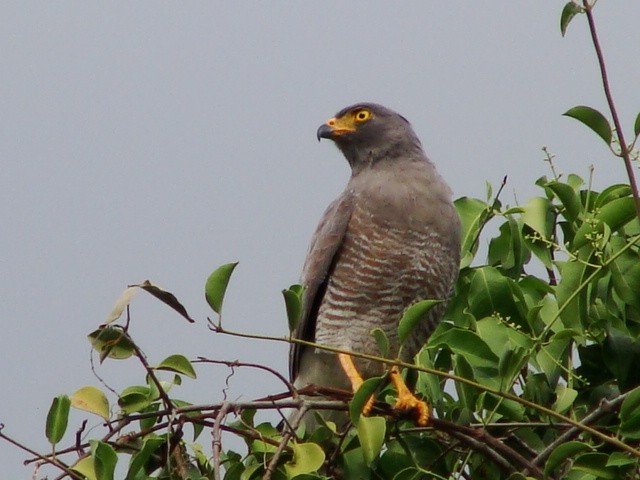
x=346 y=361
x=407 y=401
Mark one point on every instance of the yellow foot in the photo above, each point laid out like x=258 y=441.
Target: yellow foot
x=356 y=379
x=420 y=409
x=366 y=410
x=407 y=401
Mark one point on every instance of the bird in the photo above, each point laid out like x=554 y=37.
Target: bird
x=390 y=239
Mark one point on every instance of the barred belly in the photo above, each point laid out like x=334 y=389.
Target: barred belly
x=379 y=272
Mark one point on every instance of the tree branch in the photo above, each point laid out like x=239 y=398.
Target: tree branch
x=606 y=406
x=624 y=149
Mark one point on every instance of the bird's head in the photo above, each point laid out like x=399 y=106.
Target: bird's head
x=367 y=132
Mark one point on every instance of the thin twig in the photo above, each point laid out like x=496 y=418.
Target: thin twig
x=51 y=461
x=293 y=425
x=606 y=406
x=489 y=445
x=163 y=395
x=217 y=439
x=484 y=449
x=624 y=149
x=235 y=363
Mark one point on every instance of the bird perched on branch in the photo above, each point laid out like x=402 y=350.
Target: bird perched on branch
x=391 y=239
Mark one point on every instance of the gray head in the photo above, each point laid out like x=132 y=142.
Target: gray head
x=368 y=132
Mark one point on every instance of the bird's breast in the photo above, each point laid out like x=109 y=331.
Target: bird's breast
x=382 y=267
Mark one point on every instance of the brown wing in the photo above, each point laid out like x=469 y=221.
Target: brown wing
x=325 y=243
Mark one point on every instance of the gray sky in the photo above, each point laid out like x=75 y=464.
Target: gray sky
x=149 y=140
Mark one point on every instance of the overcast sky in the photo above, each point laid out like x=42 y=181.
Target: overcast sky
x=156 y=140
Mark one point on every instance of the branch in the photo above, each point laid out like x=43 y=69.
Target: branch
x=482 y=448
x=606 y=406
x=295 y=422
x=217 y=439
x=163 y=395
x=235 y=363
x=488 y=445
x=624 y=149
x=52 y=461
x=602 y=436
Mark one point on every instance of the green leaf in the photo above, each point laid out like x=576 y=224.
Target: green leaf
x=549 y=356
x=621 y=355
x=631 y=405
x=134 y=399
x=179 y=364
x=104 y=459
x=593 y=119
x=266 y=431
x=611 y=193
x=501 y=337
x=563 y=452
x=620 y=459
x=469 y=345
x=140 y=459
x=361 y=397
x=505 y=407
x=489 y=293
x=412 y=316
x=537 y=213
x=565 y=397
x=511 y=362
x=568 y=197
x=355 y=466
x=307 y=458
x=617 y=213
x=382 y=341
x=468 y=395
x=636 y=126
x=571 y=276
x=150 y=421
x=473 y=214
x=58 y=418
x=508 y=249
x=84 y=466
x=216 y=286
x=625 y=275
x=595 y=463
x=371 y=432
x=569 y=11
x=112 y=342
x=91 y=399
x=427 y=383
x=247 y=473
x=293 y=304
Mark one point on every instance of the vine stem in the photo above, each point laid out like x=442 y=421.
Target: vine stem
x=606 y=438
x=624 y=149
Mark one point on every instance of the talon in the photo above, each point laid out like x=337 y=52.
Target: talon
x=412 y=404
x=407 y=401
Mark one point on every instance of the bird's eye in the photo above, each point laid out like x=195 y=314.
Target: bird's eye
x=362 y=115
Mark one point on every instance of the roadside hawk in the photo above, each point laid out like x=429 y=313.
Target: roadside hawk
x=392 y=238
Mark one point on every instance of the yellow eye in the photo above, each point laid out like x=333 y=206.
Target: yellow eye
x=362 y=115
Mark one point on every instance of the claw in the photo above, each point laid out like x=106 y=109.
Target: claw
x=407 y=401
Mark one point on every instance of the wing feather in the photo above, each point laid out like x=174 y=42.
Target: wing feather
x=325 y=244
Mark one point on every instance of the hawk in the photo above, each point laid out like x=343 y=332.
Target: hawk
x=391 y=239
